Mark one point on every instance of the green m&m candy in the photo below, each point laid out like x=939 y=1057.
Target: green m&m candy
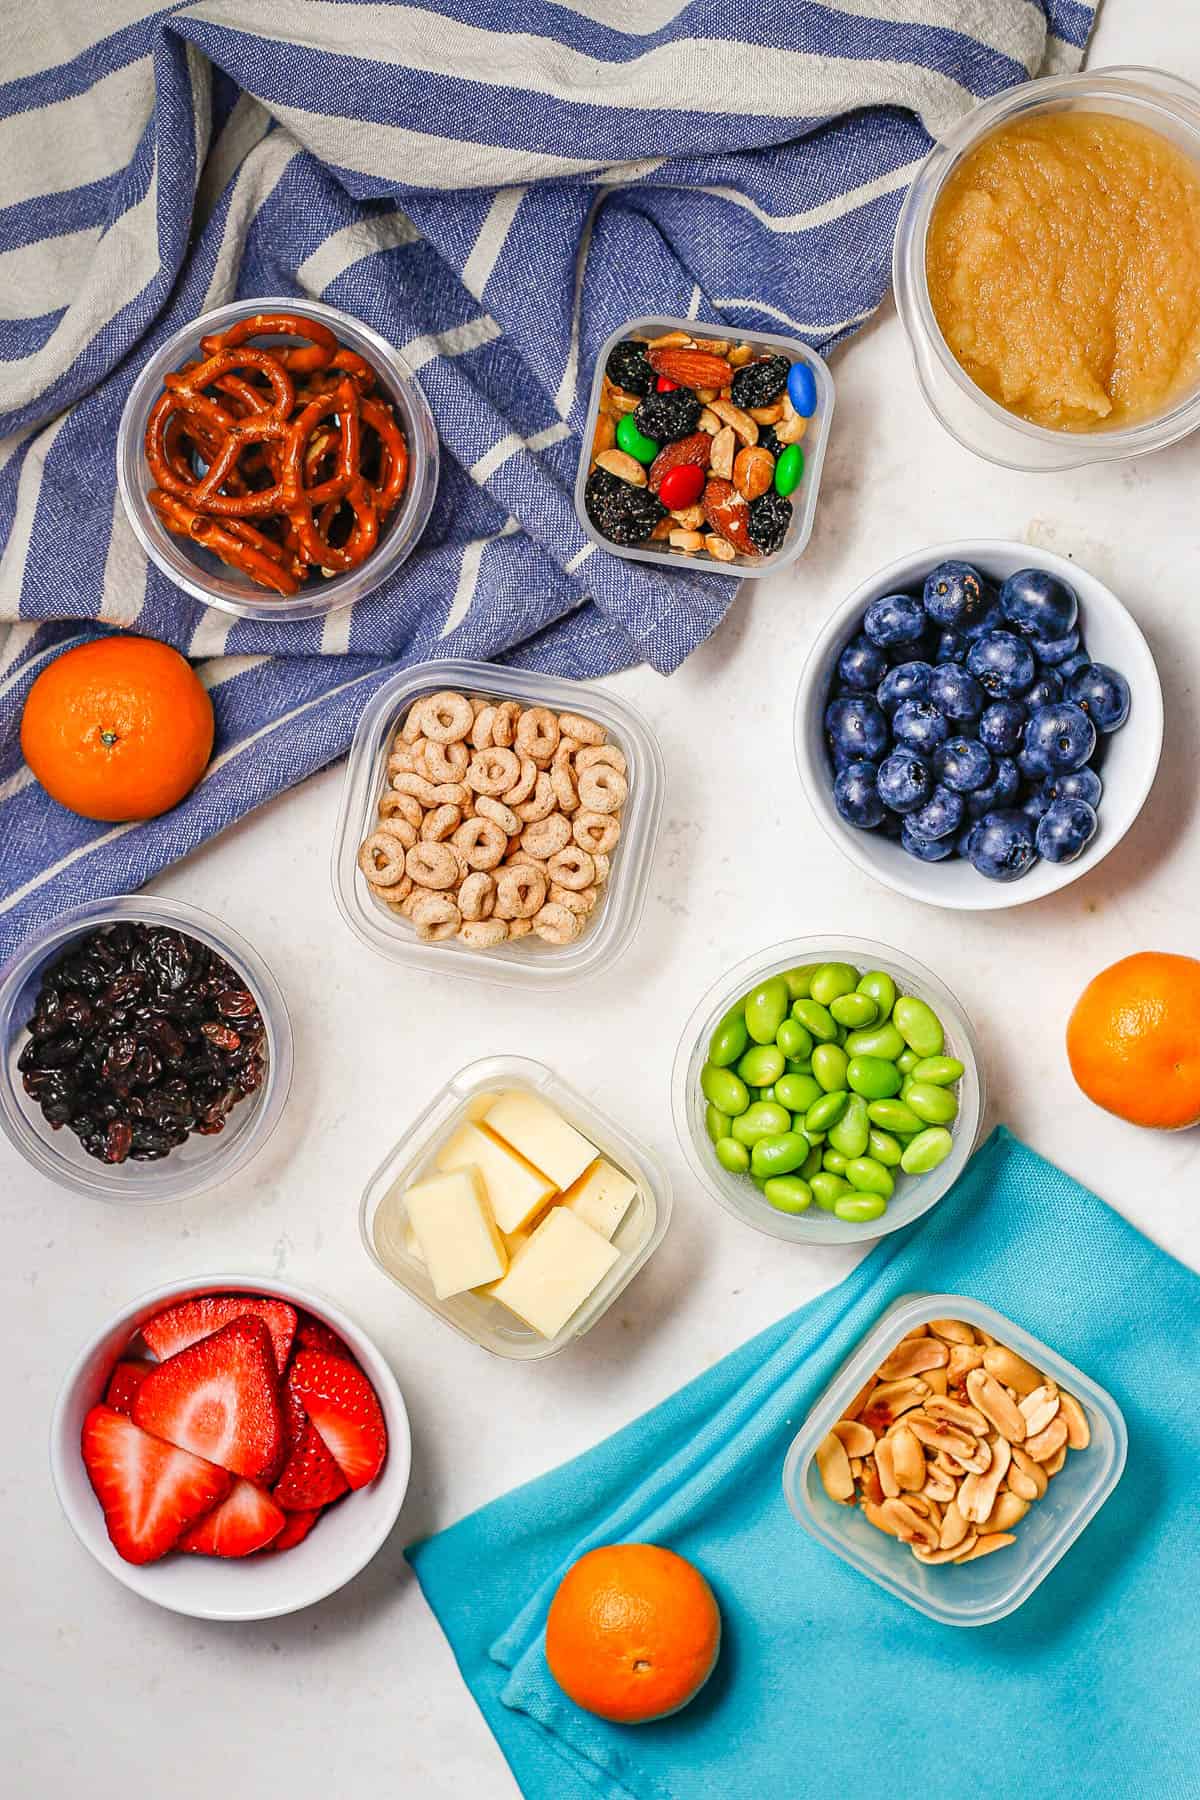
x=635 y=443
x=789 y=470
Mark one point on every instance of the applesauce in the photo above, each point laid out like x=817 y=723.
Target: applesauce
x=1063 y=266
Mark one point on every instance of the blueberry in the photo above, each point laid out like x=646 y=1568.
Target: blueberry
x=941 y=815
x=923 y=848
x=992 y=620
x=855 y=795
x=1001 y=725
x=1102 y=693
x=1001 y=791
x=963 y=764
x=918 y=725
x=908 y=681
x=1032 y=765
x=1076 y=784
x=1059 y=737
x=904 y=781
x=862 y=665
x=1036 y=804
x=894 y=619
x=955 y=693
x=1001 y=846
x=951 y=647
x=1039 y=604
x=1046 y=689
x=856 y=730
x=1080 y=660
x=1002 y=664
x=955 y=594
x=1052 y=651
x=1065 y=830
x=964 y=838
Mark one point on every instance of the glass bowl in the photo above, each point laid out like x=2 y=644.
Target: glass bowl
x=466 y=1096
x=1149 y=97
x=528 y=961
x=201 y=1162
x=203 y=575
x=915 y=1194
x=814 y=443
x=976 y=1593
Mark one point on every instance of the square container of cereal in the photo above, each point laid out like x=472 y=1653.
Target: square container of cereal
x=703 y=446
x=548 y=1244
x=497 y=823
x=954 y=1458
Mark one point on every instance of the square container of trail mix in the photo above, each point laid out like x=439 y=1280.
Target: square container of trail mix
x=703 y=446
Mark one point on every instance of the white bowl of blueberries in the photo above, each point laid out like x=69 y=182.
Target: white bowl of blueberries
x=978 y=724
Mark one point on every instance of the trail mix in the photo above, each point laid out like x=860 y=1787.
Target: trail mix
x=697 y=446
x=951 y=1442
x=499 y=821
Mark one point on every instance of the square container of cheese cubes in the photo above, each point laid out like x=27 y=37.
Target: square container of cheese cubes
x=514 y=1209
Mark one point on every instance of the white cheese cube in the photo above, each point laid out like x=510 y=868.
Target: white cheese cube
x=552 y=1275
x=515 y=1189
x=542 y=1136
x=513 y=1240
x=455 y=1231
x=601 y=1197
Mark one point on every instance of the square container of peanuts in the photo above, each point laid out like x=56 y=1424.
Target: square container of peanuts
x=497 y=823
x=954 y=1459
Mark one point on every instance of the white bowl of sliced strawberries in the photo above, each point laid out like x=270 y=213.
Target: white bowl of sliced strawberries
x=231 y=1448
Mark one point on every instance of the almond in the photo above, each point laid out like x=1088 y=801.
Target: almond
x=727 y=513
x=689 y=368
x=696 y=449
x=753 y=472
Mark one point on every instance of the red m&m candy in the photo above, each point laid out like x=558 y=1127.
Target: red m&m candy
x=681 y=487
x=664 y=386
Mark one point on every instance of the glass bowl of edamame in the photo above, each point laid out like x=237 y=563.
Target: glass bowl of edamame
x=868 y=1099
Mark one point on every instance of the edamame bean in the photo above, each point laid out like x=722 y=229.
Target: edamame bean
x=729 y=1039
x=779 y=1155
x=761 y=1065
x=872 y=1077
x=908 y=1059
x=829 y=1067
x=918 y=1025
x=835 y=1161
x=763 y=1119
x=817 y=1020
x=878 y=1040
x=855 y=1011
x=799 y=981
x=826 y=1112
x=936 y=1105
x=859 y=1209
x=732 y=1156
x=788 y=1193
x=716 y=1123
x=892 y=1115
x=885 y=1148
x=881 y=989
x=943 y=1071
x=797 y=1092
x=813 y=1165
x=766 y=1009
x=926 y=1150
x=850 y=1133
x=793 y=1040
x=870 y=1177
x=799 y=1065
x=832 y=979
x=726 y=1091
x=828 y=1189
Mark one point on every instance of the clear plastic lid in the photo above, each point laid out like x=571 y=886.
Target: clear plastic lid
x=467 y=1096
x=527 y=961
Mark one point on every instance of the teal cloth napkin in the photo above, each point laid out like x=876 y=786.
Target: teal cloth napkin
x=826 y=1684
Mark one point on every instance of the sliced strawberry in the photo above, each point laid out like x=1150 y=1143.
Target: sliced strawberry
x=171 y=1331
x=311 y=1334
x=298 y=1526
x=344 y=1407
x=246 y=1521
x=124 y=1383
x=150 y=1492
x=310 y=1478
x=219 y=1398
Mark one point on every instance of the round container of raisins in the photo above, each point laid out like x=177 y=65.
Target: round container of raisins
x=147 y=1050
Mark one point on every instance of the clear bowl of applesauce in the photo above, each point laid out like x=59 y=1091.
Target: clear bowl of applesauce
x=1060 y=148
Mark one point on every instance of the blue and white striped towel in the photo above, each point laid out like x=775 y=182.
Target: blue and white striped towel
x=494 y=189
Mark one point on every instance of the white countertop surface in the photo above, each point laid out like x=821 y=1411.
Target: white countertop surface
x=100 y=1693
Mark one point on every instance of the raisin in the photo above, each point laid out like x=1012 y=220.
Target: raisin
x=760 y=383
x=667 y=417
x=770 y=516
x=627 y=368
x=236 y=1003
x=767 y=440
x=117 y=1141
x=625 y=514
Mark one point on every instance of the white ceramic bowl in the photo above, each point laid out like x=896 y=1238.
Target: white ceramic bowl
x=1130 y=757
x=256 y=1587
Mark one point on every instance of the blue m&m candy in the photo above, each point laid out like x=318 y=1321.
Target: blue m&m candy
x=802 y=390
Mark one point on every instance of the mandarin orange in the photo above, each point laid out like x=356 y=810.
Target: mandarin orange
x=1133 y=1040
x=119 y=728
x=633 y=1632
